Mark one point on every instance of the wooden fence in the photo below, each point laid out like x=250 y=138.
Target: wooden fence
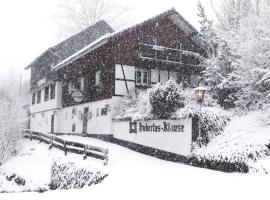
x=69 y=146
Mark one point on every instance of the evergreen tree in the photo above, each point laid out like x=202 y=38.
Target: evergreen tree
x=220 y=64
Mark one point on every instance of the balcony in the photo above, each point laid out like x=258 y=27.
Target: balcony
x=161 y=54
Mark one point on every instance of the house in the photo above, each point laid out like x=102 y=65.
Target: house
x=76 y=84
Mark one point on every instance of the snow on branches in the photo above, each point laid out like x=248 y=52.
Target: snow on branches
x=12 y=120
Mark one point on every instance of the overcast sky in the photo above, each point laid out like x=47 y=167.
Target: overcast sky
x=28 y=27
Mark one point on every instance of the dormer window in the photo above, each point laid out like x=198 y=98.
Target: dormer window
x=176 y=45
x=152 y=40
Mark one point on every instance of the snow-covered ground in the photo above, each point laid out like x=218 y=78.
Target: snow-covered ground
x=133 y=176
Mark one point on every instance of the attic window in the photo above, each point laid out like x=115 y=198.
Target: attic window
x=176 y=45
x=98 y=81
x=152 y=40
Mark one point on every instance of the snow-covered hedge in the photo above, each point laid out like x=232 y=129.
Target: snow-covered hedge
x=245 y=139
x=70 y=176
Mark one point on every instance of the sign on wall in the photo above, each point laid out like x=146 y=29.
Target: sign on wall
x=174 y=136
x=156 y=126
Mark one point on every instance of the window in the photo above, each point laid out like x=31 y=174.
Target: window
x=73 y=128
x=46 y=96
x=38 y=96
x=142 y=77
x=104 y=110
x=152 y=40
x=98 y=78
x=33 y=98
x=52 y=92
x=176 y=45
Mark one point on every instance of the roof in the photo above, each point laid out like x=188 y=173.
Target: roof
x=172 y=15
x=73 y=44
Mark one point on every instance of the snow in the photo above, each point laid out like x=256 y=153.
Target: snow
x=244 y=139
x=34 y=162
x=134 y=176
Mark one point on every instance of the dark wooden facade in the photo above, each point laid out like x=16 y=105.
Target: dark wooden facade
x=119 y=48
x=123 y=49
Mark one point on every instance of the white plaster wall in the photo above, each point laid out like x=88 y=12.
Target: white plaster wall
x=154 y=75
x=129 y=72
x=175 y=142
x=120 y=87
x=173 y=75
x=41 y=121
x=163 y=76
x=96 y=125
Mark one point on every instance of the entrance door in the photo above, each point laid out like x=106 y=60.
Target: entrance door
x=85 y=120
x=52 y=123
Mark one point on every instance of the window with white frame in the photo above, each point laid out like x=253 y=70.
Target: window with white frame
x=98 y=81
x=142 y=77
x=46 y=94
x=38 y=96
x=33 y=98
x=52 y=91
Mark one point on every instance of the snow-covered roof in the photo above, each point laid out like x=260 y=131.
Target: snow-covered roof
x=73 y=44
x=172 y=15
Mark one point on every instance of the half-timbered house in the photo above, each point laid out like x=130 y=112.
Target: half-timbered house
x=76 y=84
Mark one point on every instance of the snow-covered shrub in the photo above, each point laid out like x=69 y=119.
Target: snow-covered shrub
x=212 y=117
x=135 y=106
x=245 y=139
x=70 y=176
x=165 y=99
x=12 y=121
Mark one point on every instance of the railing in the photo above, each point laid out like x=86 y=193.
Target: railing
x=168 y=55
x=68 y=146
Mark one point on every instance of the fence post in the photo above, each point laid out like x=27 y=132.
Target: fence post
x=30 y=135
x=85 y=152
x=50 y=145
x=65 y=148
x=39 y=134
x=106 y=157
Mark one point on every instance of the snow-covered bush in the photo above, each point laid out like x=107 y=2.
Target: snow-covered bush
x=12 y=121
x=245 y=139
x=135 y=106
x=165 y=99
x=70 y=176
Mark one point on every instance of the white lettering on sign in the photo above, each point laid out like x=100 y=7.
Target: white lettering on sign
x=135 y=127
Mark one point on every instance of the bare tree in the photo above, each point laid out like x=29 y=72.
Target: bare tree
x=231 y=11
x=76 y=15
